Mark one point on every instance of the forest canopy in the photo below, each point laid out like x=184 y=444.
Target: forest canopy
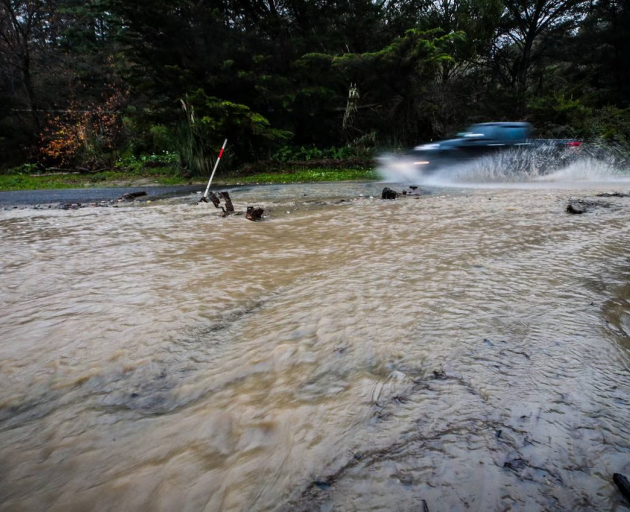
x=88 y=82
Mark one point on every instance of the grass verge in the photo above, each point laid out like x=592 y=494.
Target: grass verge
x=167 y=176
x=302 y=176
x=102 y=179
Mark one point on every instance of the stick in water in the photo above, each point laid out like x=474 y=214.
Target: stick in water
x=205 y=194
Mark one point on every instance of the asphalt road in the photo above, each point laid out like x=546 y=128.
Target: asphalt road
x=89 y=195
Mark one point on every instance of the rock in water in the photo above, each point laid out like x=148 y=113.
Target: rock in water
x=575 y=211
x=254 y=213
x=622 y=484
x=131 y=196
x=388 y=193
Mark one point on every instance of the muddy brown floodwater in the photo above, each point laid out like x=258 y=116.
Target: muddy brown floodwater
x=465 y=350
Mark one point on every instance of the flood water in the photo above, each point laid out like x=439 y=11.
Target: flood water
x=463 y=350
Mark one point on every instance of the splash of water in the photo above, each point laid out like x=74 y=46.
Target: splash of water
x=543 y=166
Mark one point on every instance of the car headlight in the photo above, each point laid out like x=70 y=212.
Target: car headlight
x=427 y=147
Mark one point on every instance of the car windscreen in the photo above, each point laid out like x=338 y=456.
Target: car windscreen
x=507 y=133
x=481 y=131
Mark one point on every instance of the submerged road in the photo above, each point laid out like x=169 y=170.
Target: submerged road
x=89 y=195
x=462 y=351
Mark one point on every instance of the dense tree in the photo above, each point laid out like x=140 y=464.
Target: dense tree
x=22 y=36
x=398 y=82
x=602 y=47
x=268 y=73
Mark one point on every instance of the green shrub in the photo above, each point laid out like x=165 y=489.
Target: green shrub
x=161 y=139
x=305 y=154
x=138 y=164
x=25 y=169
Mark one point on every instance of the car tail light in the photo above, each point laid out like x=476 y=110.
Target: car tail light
x=574 y=144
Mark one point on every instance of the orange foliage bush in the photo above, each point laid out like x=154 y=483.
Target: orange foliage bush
x=84 y=134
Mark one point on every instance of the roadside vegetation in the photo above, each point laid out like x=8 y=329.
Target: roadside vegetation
x=154 y=170
x=22 y=181
x=15 y=179
x=111 y=92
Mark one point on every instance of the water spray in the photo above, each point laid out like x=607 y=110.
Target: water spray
x=204 y=198
x=540 y=166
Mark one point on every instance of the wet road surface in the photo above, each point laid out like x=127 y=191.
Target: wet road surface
x=88 y=195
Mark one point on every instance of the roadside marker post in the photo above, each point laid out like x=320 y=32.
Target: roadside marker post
x=205 y=194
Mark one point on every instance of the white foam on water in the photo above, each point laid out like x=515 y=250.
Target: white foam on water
x=532 y=169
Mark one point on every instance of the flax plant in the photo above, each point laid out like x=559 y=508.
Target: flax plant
x=189 y=140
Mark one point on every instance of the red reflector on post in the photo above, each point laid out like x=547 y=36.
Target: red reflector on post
x=574 y=144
